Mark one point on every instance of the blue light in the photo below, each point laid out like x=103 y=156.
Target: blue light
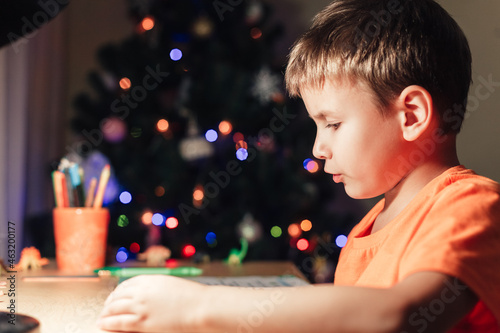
x=158 y=219
x=125 y=197
x=211 y=135
x=211 y=238
x=121 y=256
x=341 y=241
x=176 y=54
x=242 y=154
x=306 y=161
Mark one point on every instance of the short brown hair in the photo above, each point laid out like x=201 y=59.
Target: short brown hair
x=388 y=44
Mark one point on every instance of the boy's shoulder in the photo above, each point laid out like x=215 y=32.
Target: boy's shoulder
x=460 y=180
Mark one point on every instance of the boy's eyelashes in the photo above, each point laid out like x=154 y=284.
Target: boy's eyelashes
x=333 y=125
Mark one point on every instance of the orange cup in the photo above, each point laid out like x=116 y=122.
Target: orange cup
x=80 y=237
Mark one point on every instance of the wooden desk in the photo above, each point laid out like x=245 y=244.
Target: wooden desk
x=64 y=305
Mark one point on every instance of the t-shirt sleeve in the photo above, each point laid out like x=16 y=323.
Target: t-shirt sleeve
x=460 y=236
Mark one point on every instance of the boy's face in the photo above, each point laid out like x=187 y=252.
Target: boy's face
x=359 y=145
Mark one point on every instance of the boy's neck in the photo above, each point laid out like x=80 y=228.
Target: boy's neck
x=399 y=196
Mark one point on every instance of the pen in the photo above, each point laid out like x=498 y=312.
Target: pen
x=127 y=272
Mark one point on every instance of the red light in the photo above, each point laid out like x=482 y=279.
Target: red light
x=135 y=248
x=188 y=251
x=302 y=244
x=171 y=223
x=238 y=137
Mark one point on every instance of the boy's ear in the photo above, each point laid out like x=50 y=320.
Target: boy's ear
x=416 y=111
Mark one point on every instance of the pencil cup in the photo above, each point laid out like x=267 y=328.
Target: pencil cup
x=80 y=237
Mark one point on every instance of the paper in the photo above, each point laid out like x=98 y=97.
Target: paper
x=252 y=281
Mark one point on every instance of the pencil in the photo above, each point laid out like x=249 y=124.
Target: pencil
x=103 y=181
x=58 y=194
x=91 y=192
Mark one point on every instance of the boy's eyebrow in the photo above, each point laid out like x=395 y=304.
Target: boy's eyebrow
x=319 y=115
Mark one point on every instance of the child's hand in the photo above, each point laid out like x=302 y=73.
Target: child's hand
x=152 y=303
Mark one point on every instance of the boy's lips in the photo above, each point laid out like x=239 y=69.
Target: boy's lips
x=337 y=178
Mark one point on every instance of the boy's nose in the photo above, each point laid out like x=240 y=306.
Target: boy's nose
x=321 y=150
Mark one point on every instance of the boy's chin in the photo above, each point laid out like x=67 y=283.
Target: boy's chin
x=360 y=193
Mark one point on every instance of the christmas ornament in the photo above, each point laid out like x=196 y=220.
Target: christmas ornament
x=114 y=129
x=155 y=255
x=254 y=12
x=266 y=85
x=31 y=259
x=203 y=27
x=249 y=229
x=195 y=147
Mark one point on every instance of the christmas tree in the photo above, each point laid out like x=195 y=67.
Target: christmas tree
x=206 y=149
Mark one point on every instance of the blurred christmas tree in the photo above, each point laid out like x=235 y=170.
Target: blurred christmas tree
x=206 y=149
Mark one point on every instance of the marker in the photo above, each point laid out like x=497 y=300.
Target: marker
x=76 y=183
x=128 y=272
x=64 y=187
x=103 y=181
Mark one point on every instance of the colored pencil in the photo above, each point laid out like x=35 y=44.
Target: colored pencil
x=91 y=192
x=103 y=181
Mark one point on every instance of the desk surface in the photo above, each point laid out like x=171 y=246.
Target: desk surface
x=71 y=305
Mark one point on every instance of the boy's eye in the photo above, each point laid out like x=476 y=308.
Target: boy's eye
x=334 y=126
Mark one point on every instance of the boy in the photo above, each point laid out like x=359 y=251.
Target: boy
x=386 y=83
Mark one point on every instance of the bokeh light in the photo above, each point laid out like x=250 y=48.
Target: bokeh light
x=148 y=23
x=302 y=244
x=122 y=221
x=125 y=197
x=198 y=193
x=306 y=161
x=125 y=83
x=306 y=225
x=238 y=137
x=256 y=33
x=121 y=255
x=176 y=54
x=341 y=240
x=225 y=127
x=171 y=222
x=211 y=135
x=211 y=238
x=276 y=231
x=135 y=247
x=312 y=166
x=188 y=250
x=147 y=218
x=162 y=125
x=157 y=219
x=241 y=144
x=159 y=191
x=242 y=154
x=294 y=230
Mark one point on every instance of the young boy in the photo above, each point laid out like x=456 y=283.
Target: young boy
x=386 y=82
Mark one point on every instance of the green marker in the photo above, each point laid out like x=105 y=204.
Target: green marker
x=128 y=272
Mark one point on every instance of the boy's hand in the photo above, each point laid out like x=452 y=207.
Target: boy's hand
x=151 y=303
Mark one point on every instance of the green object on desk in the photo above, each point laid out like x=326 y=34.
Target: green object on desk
x=128 y=272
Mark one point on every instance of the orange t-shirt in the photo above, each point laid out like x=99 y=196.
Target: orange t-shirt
x=451 y=226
